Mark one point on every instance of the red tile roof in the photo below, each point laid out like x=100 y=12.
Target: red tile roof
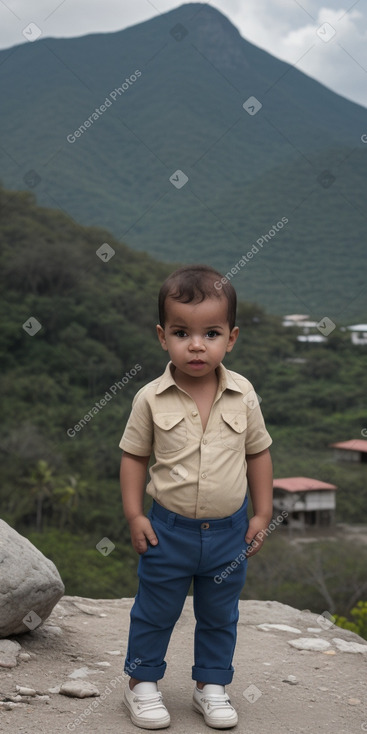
x=301 y=484
x=355 y=444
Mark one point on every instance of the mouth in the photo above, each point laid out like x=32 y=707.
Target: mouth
x=196 y=362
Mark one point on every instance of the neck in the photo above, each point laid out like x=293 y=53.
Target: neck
x=192 y=383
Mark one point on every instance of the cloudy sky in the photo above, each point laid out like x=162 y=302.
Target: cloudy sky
x=328 y=43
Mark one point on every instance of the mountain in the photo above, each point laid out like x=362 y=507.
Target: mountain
x=78 y=341
x=97 y=126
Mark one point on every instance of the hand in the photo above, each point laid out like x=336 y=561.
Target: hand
x=141 y=533
x=256 y=534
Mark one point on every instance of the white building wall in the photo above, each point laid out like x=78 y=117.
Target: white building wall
x=306 y=501
x=320 y=500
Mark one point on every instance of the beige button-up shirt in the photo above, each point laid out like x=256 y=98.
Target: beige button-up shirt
x=197 y=473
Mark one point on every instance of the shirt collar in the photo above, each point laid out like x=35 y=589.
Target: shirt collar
x=225 y=380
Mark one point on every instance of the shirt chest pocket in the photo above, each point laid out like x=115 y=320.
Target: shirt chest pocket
x=170 y=432
x=233 y=430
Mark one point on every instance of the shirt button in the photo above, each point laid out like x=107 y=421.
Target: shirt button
x=194 y=413
x=204 y=475
x=204 y=440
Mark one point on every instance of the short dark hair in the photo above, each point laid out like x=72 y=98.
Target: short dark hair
x=195 y=283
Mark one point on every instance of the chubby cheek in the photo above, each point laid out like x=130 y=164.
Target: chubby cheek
x=172 y=345
x=219 y=345
x=177 y=348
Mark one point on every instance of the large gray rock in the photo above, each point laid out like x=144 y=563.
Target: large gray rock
x=30 y=584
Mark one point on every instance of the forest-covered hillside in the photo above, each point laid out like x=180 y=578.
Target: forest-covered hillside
x=78 y=338
x=96 y=126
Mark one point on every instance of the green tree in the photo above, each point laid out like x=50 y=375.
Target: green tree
x=67 y=496
x=40 y=482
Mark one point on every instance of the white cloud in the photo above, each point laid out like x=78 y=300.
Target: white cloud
x=66 y=18
x=288 y=31
x=339 y=61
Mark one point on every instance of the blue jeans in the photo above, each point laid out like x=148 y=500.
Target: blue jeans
x=202 y=550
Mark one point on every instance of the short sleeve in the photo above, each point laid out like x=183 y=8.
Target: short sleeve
x=138 y=435
x=257 y=437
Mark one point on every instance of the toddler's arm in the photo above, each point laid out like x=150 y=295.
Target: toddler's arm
x=133 y=473
x=260 y=481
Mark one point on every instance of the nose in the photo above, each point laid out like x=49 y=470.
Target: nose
x=196 y=344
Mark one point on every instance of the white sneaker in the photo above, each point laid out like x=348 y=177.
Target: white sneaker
x=146 y=706
x=215 y=705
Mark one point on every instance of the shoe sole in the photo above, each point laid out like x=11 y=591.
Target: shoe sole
x=159 y=724
x=214 y=724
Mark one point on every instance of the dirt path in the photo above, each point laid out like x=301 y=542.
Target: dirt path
x=277 y=688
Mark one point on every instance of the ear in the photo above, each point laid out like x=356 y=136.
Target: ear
x=161 y=337
x=232 y=338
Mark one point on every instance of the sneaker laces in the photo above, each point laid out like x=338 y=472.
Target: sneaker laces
x=217 y=700
x=149 y=700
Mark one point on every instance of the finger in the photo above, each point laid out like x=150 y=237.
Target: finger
x=250 y=537
x=250 y=534
x=253 y=546
x=150 y=535
x=140 y=544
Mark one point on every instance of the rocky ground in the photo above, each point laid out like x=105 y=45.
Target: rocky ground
x=279 y=686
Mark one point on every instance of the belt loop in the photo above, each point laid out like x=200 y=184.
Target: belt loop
x=171 y=519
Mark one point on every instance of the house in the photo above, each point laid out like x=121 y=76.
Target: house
x=309 y=502
x=308 y=329
x=359 y=334
x=353 y=450
x=311 y=338
x=295 y=319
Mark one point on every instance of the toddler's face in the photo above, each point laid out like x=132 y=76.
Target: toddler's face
x=197 y=335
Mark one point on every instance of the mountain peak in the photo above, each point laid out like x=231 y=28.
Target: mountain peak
x=206 y=24
x=98 y=125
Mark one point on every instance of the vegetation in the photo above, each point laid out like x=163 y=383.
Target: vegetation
x=185 y=111
x=59 y=484
x=359 y=623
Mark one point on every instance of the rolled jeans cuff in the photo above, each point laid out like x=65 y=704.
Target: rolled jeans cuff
x=219 y=677
x=146 y=673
